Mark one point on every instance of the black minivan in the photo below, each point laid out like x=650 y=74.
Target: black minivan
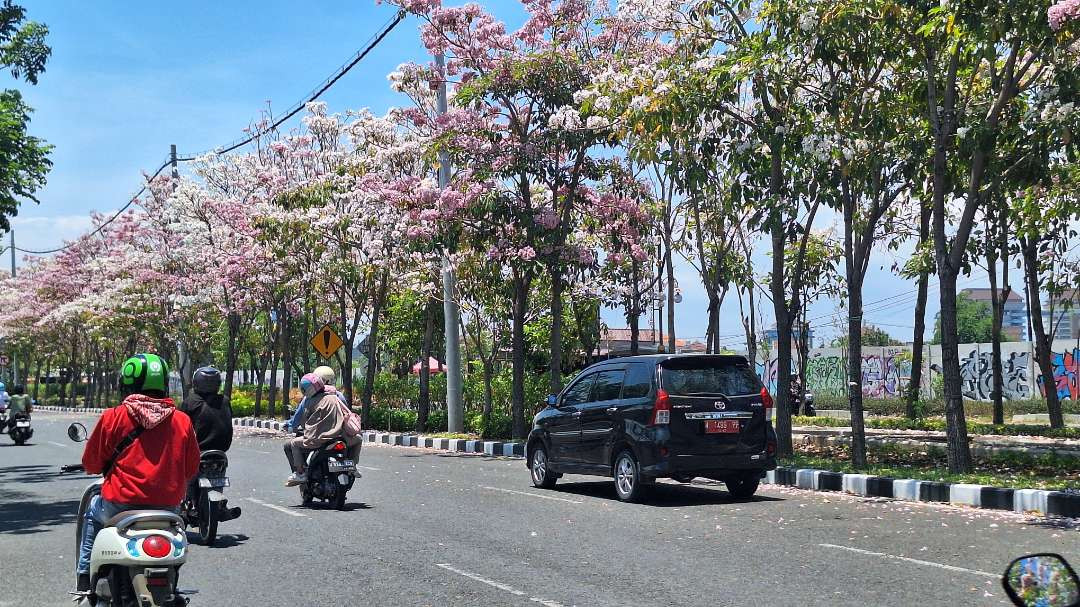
x=641 y=418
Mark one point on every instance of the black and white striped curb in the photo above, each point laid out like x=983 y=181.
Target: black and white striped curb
x=67 y=409
x=458 y=445
x=394 y=439
x=1051 y=503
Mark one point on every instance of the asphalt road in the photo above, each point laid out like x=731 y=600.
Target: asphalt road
x=428 y=528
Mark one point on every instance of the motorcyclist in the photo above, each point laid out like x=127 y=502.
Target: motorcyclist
x=328 y=420
x=145 y=448
x=5 y=398
x=210 y=412
x=329 y=378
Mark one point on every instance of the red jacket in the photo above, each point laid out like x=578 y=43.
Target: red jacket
x=155 y=469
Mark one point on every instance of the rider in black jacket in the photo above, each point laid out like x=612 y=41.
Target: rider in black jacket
x=210 y=413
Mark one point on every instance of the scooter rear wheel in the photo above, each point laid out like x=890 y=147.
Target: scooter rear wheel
x=208 y=521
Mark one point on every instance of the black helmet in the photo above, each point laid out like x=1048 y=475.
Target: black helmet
x=145 y=374
x=207 y=380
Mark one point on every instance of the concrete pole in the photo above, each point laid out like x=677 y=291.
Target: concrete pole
x=455 y=410
x=14 y=358
x=182 y=363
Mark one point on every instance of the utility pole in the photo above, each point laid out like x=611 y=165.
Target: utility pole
x=14 y=357
x=455 y=410
x=183 y=363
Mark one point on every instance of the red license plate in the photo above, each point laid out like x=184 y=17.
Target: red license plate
x=722 y=426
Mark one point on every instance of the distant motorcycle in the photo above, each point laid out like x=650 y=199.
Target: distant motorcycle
x=330 y=475
x=19 y=428
x=205 y=504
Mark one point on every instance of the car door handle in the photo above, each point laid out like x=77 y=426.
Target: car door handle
x=612 y=409
x=576 y=414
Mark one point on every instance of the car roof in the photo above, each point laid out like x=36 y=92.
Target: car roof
x=659 y=358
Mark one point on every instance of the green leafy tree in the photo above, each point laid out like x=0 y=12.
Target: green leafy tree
x=974 y=322
x=24 y=159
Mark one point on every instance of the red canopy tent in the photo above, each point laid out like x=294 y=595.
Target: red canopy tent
x=434 y=366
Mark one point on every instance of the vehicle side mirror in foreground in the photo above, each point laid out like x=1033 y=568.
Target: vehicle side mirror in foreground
x=552 y=400
x=77 y=432
x=1039 y=580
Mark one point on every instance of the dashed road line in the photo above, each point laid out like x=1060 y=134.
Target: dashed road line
x=276 y=507
x=910 y=560
x=527 y=494
x=499 y=585
x=369 y=468
x=61 y=445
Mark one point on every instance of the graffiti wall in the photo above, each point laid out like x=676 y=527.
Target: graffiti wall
x=885 y=372
x=1066 y=368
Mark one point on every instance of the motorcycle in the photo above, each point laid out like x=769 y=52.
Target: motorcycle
x=330 y=473
x=137 y=554
x=1041 y=580
x=19 y=428
x=205 y=504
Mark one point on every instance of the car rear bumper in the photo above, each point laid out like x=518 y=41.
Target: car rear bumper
x=709 y=465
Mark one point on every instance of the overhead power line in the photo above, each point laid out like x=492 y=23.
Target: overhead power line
x=229 y=147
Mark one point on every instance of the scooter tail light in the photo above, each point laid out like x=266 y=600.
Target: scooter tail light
x=339 y=446
x=156 y=546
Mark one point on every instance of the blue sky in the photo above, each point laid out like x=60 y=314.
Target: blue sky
x=126 y=79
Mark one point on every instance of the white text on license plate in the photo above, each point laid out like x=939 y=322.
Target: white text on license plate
x=22 y=424
x=721 y=426
x=343 y=464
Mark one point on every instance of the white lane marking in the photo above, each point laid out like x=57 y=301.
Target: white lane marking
x=276 y=507
x=527 y=494
x=499 y=585
x=909 y=560
x=61 y=445
x=369 y=468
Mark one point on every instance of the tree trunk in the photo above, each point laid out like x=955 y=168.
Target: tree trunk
x=633 y=318
x=288 y=358
x=373 y=344
x=853 y=257
x=959 y=451
x=517 y=397
x=670 y=267
x=555 y=372
x=783 y=346
x=424 y=403
x=275 y=361
x=914 y=389
x=1043 y=351
x=489 y=394
x=231 y=349
x=37 y=376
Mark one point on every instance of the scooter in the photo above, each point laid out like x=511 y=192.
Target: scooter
x=1041 y=580
x=330 y=475
x=137 y=555
x=19 y=428
x=205 y=505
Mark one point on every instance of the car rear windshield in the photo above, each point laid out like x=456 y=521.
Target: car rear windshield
x=708 y=377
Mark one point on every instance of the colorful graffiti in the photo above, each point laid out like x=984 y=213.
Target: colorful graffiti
x=977 y=375
x=769 y=371
x=827 y=375
x=1066 y=367
x=881 y=375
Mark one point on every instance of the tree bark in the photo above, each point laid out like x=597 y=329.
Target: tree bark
x=517 y=397
x=783 y=345
x=853 y=253
x=915 y=383
x=1043 y=350
x=423 y=405
x=373 y=343
x=555 y=371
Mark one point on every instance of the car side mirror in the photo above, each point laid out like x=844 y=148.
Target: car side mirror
x=77 y=432
x=1038 y=580
x=552 y=400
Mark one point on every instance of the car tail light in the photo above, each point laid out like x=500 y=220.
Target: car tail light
x=661 y=413
x=339 y=446
x=156 y=546
x=766 y=398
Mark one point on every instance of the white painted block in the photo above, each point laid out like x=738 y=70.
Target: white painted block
x=807 y=478
x=470 y=446
x=439 y=443
x=770 y=477
x=489 y=448
x=855 y=483
x=906 y=489
x=508 y=449
x=962 y=493
x=1030 y=500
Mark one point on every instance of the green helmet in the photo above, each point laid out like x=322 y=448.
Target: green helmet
x=145 y=374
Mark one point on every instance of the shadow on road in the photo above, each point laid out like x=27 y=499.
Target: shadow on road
x=350 y=507
x=662 y=495
x=230 y=540
x=35 y=474
x=20 y=514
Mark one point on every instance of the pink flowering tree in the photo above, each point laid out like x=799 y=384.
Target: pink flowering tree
x=531 y=153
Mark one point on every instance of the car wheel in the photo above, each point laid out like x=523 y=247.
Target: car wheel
x=542 y=475
x=742 y=487
x=629 y=484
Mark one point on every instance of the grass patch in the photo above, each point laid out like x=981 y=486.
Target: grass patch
x=938 y=424
x=456 y=435
x=1015 y=470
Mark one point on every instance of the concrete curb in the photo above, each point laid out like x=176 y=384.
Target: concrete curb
x=67 y=409
x=394 y=439
x=1050 y=503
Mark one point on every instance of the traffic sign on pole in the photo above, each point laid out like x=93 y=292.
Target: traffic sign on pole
x=326 y=342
